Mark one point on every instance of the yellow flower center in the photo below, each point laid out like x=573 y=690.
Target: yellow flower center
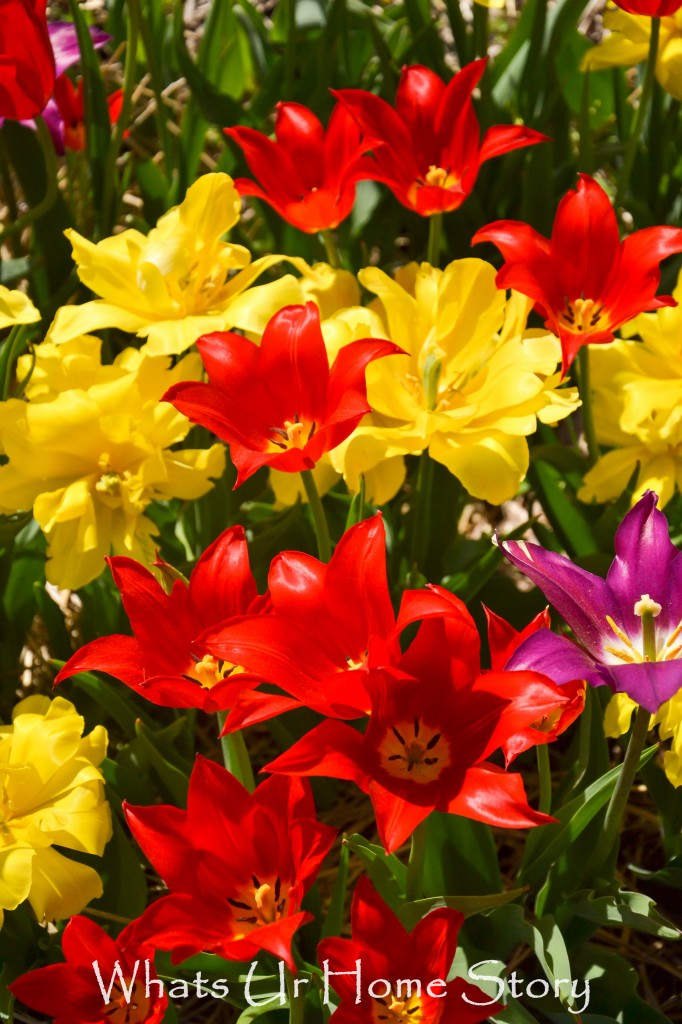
x=437 y=176
x=397 y=1008
x=357 y=662
x=294 y=434
x=420 y=756
x=109 y=483
x=120 y=1010
x=583 y=316
x=259 y=904
x=118 y=490
x=208 y=671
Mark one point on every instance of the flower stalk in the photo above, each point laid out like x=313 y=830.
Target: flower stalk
x=324 y=544
x=587 y=410
x=640 y=117
x=235 y=755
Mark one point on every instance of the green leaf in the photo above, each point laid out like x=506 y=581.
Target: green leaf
x=411 y=913
x=573 y=818
x=333 y=921
x=217 y=106
x=566 y=518
x=125 y=886
x=12 y=270
x=107 y=696
x=388 y=874
x=460 y=854
x=632 y=909
x=98 y=121
x=172 y=779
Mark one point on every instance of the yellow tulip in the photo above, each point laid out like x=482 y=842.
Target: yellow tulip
x=51 y=795
x=472 y=385
x=176 y=283
x=91 y=449
x=637 y=402
x=16 y=308
x=627 y=44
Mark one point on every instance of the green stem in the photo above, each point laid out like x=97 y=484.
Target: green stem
x=640 y=117
x=290 y=50
x=151 y=50
x=415 y=867
x=433 y=249
x=51 y=187
x=235 y=755
x=121 y=124
x=324 y=544
x=422 y=506
x=331 y=248
x=13 y=346
x=296 y=1003
x=545 y=778
x=619 y=797
x=480 y=30
x=586 y=397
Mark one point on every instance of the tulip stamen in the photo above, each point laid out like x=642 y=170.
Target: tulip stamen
x=294 y=434
x=265 y=902
x=581 y=315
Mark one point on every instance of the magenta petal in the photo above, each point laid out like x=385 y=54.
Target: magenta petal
x=556 y=657
x=65 y=43
x=644 y=562
x=55 y=125
x=583 y=599
x=650 y=684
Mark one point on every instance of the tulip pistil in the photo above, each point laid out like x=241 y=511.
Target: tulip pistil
x=421 y=758
x=650 y=648
x=397 y=1009
x=262 y=903
x=131 y=1007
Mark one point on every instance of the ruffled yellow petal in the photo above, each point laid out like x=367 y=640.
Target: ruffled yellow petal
x=51 y=794
x=91 y=451
x=611 y=474
x=16 y=872
x=61 y=887
x=16 y=308
x=491 y=467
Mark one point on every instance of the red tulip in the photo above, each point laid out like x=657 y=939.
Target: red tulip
x=278 y=403
x=159 y=662
x=433 y=723
x=314 y=643
x=650 y=8
x=70 y=104
x=504 y=641
x=237 y=864
x=584 y=280
x=428 y=149
x=387 y=951
x=307 y=173
x=27 y=66
x=70 y=992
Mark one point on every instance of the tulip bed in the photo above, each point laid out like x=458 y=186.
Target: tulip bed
x=340 y=470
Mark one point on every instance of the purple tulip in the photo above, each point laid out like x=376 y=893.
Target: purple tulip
x=629 y=625
x=65 y=43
